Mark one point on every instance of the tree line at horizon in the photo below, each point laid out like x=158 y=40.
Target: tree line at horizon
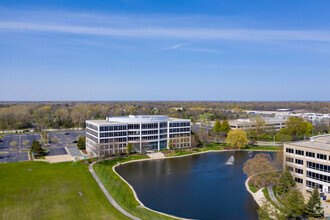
x=42 y=115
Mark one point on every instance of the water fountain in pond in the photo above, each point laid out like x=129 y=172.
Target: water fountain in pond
x=230 y=161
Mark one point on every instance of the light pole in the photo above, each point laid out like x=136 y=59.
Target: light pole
x=19 y=141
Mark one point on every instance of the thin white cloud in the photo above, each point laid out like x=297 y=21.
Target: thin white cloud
x=176 y=46
x=174 y=33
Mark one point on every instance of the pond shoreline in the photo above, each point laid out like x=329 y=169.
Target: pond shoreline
x=194 y=153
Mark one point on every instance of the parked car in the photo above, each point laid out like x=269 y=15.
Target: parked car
x=74 y=141
x=66 y=133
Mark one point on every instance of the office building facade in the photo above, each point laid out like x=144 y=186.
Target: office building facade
x=145 y=132
x=309 y=162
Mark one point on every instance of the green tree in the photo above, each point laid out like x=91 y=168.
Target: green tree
x=129 y=148
x=295 y=202
x=81 y=143
x=25 y=142
x=286 y=183
x=237 y=138
x=313 y=207
x=13 y=144
x=170 y=145
x=283 y=136
x=264 y=211
x=307 y=128
x=225 y=127
x=217 y=126
x=54 y=140
x=36 y=148
x=297 y=127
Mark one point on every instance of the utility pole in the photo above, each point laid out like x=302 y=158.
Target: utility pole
x=19 y=141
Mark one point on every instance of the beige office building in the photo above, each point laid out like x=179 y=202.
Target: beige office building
x=309 y=163
x=245 y=124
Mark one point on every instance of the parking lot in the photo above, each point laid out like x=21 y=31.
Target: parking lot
x=19 y=152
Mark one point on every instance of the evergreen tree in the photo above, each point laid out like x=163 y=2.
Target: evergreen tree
x=313 y=207
x=225 y=127
x=81 y=144
x=217 y=126
x=286 y=183
x=295 y=202
x=36 y=147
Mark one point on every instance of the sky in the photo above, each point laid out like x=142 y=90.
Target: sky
x=118 y=50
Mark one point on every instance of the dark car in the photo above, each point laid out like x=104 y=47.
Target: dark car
x=66 y=133
x=74 y=141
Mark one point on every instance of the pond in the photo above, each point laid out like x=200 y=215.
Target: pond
x=200 y=186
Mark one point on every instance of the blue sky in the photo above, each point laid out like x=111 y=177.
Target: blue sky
x=165 y=50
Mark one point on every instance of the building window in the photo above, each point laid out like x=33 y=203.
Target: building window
x=289 y=159
x=289 y=150
x=322 y=156
x=298 y=180
x=290 y=168
x=310 y=154
x=300 y=171
x=300 y=152
x=301 y=162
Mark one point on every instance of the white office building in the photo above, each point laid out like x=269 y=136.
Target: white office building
x=145 y=132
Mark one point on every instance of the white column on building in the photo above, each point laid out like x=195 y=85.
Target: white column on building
x=158 y=136
x=140 y=137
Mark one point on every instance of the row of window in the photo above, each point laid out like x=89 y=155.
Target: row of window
x=114 y=146
x=297 y=161
x=113 y=128
x=113 y=134
x=300 y=171
x=92 y=132
x=94 y=127
x=289 y=150
x=311 y=184
x=179 y=135
x=149 y=132
x=308 y=154
x=133 y=126
x=90 y=137
x=110 y=140
x=180 y=140
x=179 y=124
x=318 y=176
x=175 y=130
x=317 y=166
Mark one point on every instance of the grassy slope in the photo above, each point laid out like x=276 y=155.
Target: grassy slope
x=51 y=191
x=120 y=191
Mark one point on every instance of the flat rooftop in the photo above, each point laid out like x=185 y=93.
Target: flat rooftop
x=135 y=119
x=321 y=142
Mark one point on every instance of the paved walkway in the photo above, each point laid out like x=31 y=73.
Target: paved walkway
x=272 y=196
x=156 y=155
x=107 y=194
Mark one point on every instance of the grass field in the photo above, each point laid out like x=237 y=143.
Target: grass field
x=39 y=190
x=120 y=191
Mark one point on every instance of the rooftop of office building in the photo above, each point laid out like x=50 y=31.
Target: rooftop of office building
x=135 y=119
x=321 y=142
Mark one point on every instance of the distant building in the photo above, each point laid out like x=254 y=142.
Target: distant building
x=245 y=124
x=145 y=132
x=309 y=162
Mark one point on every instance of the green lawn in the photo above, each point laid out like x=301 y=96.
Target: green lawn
x=259 y=147
x=120 y=191
x=39 y=190
x=253 y=188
